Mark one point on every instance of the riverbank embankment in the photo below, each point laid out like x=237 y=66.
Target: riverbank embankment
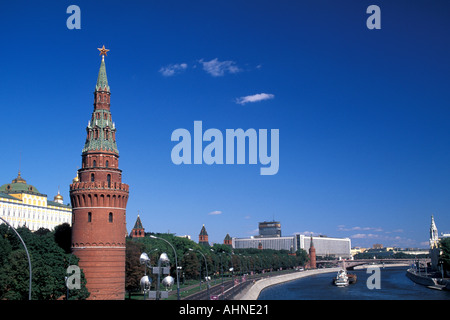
x=253 y=292
x=431 y=280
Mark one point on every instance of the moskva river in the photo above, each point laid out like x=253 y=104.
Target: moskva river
x=393 y=285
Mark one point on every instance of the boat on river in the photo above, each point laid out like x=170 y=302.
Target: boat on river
x=341 y=279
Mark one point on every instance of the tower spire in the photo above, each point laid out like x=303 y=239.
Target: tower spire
x=101 y=130
x=102 y=79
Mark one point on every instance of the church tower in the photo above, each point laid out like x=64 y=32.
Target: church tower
x=99 y=200
x=434 y=237
x=434 y=251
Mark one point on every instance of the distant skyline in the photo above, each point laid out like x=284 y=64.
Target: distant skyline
x=363 y=115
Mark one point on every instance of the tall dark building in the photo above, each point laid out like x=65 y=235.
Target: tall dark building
x=269 y=229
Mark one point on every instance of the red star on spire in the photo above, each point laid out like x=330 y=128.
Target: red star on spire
x=103 y=51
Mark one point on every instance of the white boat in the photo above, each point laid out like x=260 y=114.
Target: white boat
x=341 y=279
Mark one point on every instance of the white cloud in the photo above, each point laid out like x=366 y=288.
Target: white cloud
x=365 y=236
x=218 y=68
x=254 y=98
x=171 y=69
x=343 y=228
x=214 y=213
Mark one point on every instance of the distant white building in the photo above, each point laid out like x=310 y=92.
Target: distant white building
x=325 y=246
x=275 y=243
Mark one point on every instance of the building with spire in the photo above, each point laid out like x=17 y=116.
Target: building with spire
x=434 y=237
x=203 y=237
x=22 y=205
x=434 y=245
x=99 y=200
x=138 y=230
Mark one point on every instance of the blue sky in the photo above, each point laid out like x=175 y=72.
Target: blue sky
x=363 y=114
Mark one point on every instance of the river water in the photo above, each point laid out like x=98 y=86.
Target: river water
x=394 y=285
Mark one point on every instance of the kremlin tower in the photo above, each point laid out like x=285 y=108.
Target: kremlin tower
x=228 y=241
x=312 y=255
x=203 y=237
x=138 y=230
x=99 y=200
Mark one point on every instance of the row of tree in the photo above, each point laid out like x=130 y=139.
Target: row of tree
x=221 y=260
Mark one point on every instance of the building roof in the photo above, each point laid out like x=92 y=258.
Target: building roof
x=57 y=204
x=138 y=224
x=101 y=126
x=102 y=79
x=203 y=231
x=19 y=185
x=7 y=196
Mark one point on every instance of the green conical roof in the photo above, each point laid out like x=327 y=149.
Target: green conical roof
x=138 y=224
x=203 y=231
x=102 y=80
x=101 y=129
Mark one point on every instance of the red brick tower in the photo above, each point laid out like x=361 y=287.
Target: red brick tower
x=260 y=246
x=99 y=200
x=312 y=255
x=138 y=230
x=228 y=241
x=203 y=237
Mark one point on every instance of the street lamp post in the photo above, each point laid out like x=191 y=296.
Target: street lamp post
x=146 y=282
x=207 y=278
x=221 y=268
x=176 y=264
x=232 y=272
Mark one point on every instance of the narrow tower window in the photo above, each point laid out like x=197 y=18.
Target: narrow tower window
x=89 y=216
x=95 y=164
x=110 y=218
x=108 y=178
x=107 y=163
x=92 y=177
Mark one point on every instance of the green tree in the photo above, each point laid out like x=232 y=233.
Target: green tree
x=302 y=256
x=134 y=271
x=445 y=256
x=63 y=237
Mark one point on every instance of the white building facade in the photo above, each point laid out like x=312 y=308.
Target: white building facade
x=22 y=204
x=325 y=246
